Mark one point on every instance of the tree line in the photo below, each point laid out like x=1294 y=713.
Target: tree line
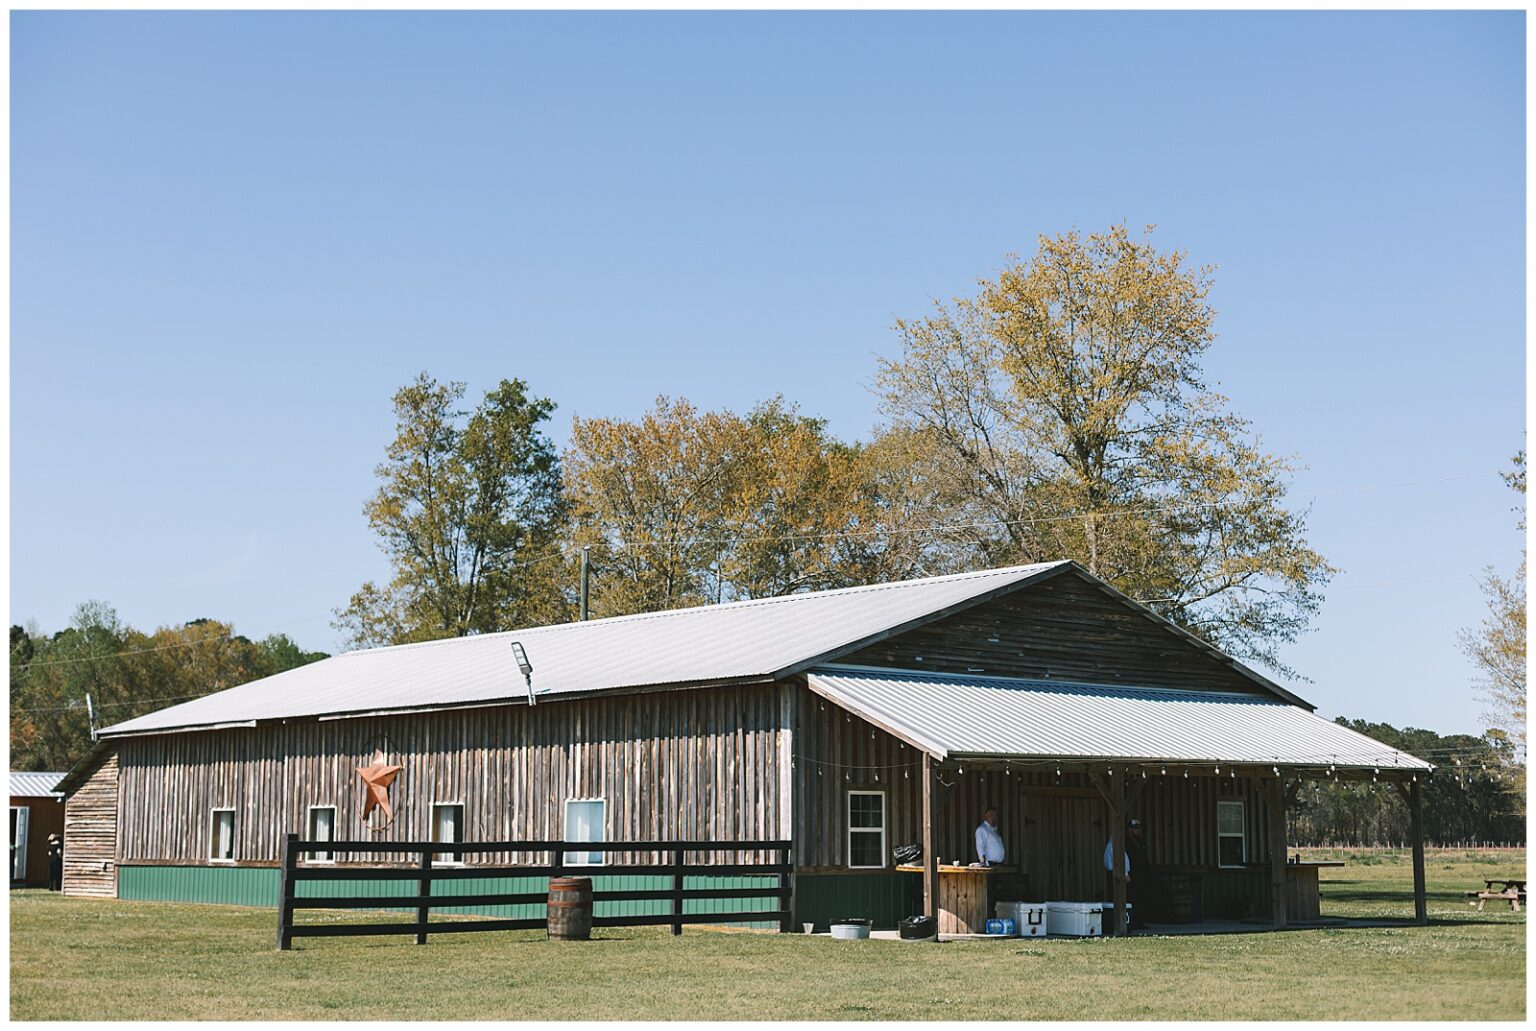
x=125 y=673
x=1477 y=793
x=1061 y=412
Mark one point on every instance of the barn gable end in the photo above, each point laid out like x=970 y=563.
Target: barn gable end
x=90 y=830
x=1063 y=628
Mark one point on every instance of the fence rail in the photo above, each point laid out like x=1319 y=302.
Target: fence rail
x=426 y=871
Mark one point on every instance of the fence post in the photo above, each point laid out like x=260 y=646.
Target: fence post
x=423 y=889
x=787 y=892
x=677 y=891
x=285 y=892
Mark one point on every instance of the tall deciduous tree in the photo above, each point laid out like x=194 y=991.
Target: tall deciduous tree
x=1497 y=648
x=1064 y=410
x=683 y=507
x=468 y=509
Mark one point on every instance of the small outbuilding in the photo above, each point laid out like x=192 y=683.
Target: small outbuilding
x=37 y=811
x=848 y=722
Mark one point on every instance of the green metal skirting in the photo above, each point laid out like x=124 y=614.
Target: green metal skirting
x=885 y=898
x=258 y=886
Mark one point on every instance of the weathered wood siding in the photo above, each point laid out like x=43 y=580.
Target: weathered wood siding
x=45 y=816
x=701 y=764
x=90 y=833
x=1055 y=829
x=1061 y=629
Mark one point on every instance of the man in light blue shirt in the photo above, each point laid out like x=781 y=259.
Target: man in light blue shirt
x=989 y=843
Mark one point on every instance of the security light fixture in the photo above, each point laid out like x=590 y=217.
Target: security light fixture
x=526 y=667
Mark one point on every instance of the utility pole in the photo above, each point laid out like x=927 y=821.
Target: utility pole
x=586 y=569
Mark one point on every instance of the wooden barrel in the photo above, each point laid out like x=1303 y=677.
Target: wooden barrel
x=1178 y=898
x=570 y=909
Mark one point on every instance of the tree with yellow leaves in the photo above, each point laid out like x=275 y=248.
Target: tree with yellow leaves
x=1064 y=414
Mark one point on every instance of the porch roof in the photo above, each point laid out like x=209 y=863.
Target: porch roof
x=987 y=716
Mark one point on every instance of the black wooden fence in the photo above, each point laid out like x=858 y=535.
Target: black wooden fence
x=424 y=873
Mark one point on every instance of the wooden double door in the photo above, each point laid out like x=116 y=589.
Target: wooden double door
x=1063 y=848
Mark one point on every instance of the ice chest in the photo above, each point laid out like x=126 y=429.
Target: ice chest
x=1079 y=919
x=1029 y=918
x=1109 y=915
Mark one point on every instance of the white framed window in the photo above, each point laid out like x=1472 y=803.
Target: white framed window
x=866 y=830
x=448 y=828
x=1231 y=833
x=585 y=820
x=321 y=826
x=221 y=836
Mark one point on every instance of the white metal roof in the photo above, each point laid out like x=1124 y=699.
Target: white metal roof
x=27 y=784
x=1000 y=716
x=740 y=641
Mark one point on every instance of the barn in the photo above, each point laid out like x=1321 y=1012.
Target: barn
x=37 y=811
x=847 y=722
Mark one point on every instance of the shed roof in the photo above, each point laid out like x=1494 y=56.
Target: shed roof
x=29 y=784
x=984 y=716
x=731 y=643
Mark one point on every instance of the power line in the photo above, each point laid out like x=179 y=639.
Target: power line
x=110 y=705
x=1093 y=514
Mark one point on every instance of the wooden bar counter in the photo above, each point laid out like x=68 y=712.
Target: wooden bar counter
x=1303 y=900
x=962 y=897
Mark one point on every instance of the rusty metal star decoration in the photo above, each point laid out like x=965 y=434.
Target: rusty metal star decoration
x=377 y=778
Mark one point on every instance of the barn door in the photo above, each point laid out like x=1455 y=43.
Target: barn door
x=1064 y=848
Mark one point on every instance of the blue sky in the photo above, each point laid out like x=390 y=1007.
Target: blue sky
x=234 y=235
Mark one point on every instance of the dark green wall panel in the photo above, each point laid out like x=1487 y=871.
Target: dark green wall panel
x=884 y=898
x=232 y=885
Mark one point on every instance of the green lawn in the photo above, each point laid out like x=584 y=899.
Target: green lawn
x=93 y=960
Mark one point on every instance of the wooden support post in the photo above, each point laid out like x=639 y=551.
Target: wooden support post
x=930 y=844
x=1275 y=798
x=679 y=871
x=787 y=891
x=1416 y=810
x=1117 y=858
x=286 y=892
x=423 y=890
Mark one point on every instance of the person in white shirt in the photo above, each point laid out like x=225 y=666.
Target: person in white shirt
x=989 y=843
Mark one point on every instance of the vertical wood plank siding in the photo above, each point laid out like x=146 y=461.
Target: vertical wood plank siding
x=90 y=833
x=1063 y=629
x=1055 y=829
x=700 y=764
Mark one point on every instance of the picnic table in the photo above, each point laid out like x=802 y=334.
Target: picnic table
x=1509 y=889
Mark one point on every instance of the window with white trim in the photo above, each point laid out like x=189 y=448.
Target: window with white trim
x=585 y=820
x=1231 y=833
x=866 y=830
x=221 y=838
x=321 y=827
x=448 y=828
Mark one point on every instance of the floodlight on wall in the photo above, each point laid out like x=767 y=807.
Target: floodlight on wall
x=527 y=668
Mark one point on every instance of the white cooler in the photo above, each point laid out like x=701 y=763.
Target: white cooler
x=1079 y=919
x=1032 y=920
x=1109 y=914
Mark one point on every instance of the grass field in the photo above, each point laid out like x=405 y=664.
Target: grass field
x=104 y=960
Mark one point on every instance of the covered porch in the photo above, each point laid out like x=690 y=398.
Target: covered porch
x=1208 y=774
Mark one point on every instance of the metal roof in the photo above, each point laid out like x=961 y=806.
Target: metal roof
x=27 y=784
x=1001 y=716
x=741 y=641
